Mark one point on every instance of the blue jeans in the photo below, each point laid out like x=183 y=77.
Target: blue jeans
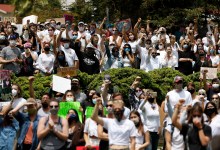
x=154 y=139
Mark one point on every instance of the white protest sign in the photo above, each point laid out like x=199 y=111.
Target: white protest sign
x=211 y=72
x=32 y=18
x=61 y=84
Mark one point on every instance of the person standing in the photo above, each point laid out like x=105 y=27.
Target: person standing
x=53 y=130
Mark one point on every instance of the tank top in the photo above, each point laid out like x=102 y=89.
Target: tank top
x=51 y=141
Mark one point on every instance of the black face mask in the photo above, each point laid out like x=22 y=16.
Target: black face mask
x=75 y=87
x=209 y=112
x=72 y=118
x=201 y=54
x=119 y=114
x=115 y=54
x=45 y=105
x=191 y=91
x=47 y=49
x=151 y=100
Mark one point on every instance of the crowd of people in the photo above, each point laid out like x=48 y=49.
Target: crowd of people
x=187 y=119
x=42 y=48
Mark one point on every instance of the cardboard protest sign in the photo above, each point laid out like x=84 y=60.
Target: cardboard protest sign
x=89 y=111
x=211 y=72
x=64 y=71
x=66 y=106
x=68 y=18
x=61 y=84
x=120 y=24
x=10 y=19
x=5 y=85
x=32 y=18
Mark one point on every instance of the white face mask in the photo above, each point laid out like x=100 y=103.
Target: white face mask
x=12 y=42
x=66 y=45
x=50 y=32
x=69 y=99
x=215 y=86
x=81 y=29
x=197 y=118
x=160 y=46
x=14 y=92
x=94 y=101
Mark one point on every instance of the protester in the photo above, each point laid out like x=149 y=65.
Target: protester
x=150 y=112
x=121 y=131
x=28 y=124
x=76 y=128
x=53 y=130
x=195 y=132
x=78 y=95
x=142 y=138
x=17 y=96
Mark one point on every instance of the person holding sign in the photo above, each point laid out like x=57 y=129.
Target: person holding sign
x=53 y=130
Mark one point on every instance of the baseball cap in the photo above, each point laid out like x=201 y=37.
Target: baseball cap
x=81 y=23
x=13 y=37
x=178 y=78
x=75 y=80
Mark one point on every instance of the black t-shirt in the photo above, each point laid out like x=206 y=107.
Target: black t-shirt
x=88 y=64
x=199 y=63
x=186 y=67
x=193 y=136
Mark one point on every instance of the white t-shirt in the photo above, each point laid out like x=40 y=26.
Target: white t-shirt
x=126 y=61
x=127 y=112
x=177 y=142
x=175 y=96
x=46 y=62
x=119 y=133
x=154 y=63
x=143 y=55
x=171 y=63
x=215 y=125
x=18 y=101
x=70 y=56
x=151 y=116
x=215 y=60
x=139 y=137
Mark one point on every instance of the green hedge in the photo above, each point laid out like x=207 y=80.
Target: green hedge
x=160 y=80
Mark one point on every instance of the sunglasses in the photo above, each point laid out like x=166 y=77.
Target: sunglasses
x=54 y=106
x=74 y=34
x=25 y=29
x=110 y=105
x=201 y=93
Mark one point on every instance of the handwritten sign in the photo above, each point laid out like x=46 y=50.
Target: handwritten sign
x=211 y=72
x=66 y=106
x=10 y=19
x=121 y=23
x=5 y=85
x=68 y=18
x=89 y=111
x=64 y=71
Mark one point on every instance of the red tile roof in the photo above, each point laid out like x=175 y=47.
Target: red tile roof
x=7 y=8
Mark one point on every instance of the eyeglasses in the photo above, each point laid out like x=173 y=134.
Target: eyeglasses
x=54 y=106
x=110 y=105
x=74 y=34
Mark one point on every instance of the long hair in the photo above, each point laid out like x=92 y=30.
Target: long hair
x=130 y=52
x=141 y=125
x=213 y=104
x=196 y=108
x=77 y=116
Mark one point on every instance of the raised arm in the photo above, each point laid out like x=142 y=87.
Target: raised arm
x=175 y=121
x=31 y=88
x=95 y=116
